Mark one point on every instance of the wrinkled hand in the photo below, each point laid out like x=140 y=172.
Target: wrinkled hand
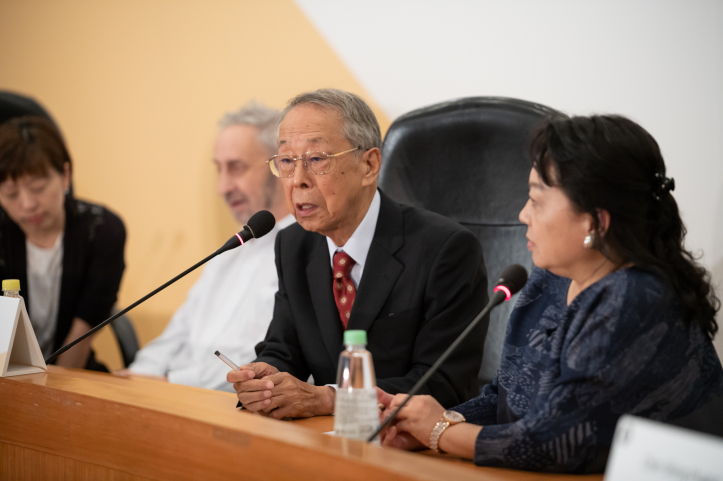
x=414 y=423
x=252 y=385
x=291 y=397
x=128 y=374
x=263 y=389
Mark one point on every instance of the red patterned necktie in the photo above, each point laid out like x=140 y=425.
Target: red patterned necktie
x=344 y=289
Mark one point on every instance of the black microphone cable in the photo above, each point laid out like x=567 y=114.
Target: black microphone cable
x=259 y=225
x=512 y=279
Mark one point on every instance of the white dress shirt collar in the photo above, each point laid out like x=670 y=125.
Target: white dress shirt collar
x=360 y=241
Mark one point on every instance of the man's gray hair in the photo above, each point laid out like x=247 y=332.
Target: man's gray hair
x=359 y=124
x=257 y=114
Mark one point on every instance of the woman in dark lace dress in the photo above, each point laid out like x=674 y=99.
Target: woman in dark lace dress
x=617 y=318
x=67 y=253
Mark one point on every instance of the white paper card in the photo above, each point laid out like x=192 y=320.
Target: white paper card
x=19 y=349
x=645 y=450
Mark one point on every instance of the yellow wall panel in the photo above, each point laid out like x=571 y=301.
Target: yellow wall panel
x=137 y=88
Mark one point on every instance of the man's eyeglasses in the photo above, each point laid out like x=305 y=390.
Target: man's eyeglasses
x=318 y=163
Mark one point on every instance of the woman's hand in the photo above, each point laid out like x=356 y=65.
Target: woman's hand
x=400 y=440
x=385 y=400
x=414 y=423
x=390 y=436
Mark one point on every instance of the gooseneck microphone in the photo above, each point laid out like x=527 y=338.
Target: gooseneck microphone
x=512 y=279
x=259 y=225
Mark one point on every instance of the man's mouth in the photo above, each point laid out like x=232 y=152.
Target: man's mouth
x=234 y=202
x=304 y=209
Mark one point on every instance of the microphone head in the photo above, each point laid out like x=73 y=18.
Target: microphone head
x=512 y=279
x=261 y=223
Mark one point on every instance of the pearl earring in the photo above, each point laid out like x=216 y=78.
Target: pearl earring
x=589 y=241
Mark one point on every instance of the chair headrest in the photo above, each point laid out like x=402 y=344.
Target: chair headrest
x=15 y=105
x=466 y=159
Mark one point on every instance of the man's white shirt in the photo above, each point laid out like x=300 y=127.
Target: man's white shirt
x=228 y=309
x=357 y=247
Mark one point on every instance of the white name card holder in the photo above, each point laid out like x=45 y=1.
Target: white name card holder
x=645 y=450
x=19 y=349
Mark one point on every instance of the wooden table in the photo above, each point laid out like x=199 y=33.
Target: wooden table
x=73 y=424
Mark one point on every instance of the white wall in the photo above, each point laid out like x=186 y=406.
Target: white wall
x=659 y=62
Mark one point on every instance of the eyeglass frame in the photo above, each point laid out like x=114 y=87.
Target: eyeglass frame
x=306 y=166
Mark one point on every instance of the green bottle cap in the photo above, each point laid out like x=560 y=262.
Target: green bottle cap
x=355 y=337
x=13 y=285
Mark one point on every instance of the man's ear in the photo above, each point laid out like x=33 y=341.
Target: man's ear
x=370 y=163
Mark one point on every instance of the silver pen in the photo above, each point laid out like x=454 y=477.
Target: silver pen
x=228 y=361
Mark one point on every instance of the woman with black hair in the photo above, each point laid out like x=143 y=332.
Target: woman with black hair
x=617 y=318
x=67 y=253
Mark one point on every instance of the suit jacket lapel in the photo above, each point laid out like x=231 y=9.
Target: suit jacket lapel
x=381 y=269
x=318 y=275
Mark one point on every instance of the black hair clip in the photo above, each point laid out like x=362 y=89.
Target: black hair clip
x=663 y=185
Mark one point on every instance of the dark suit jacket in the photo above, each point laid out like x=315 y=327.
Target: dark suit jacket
x=423 y=282
x=93 y=265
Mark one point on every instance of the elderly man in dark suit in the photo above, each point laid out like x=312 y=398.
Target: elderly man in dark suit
x=357 y=260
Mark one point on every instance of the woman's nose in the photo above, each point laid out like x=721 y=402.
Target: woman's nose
x=27 y=199
x=524 y=214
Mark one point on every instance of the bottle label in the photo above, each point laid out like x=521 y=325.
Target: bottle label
x=356 y=415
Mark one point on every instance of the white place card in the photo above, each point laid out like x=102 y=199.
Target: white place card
x=19 y=349
x=645 y=450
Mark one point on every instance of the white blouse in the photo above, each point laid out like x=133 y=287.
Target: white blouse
x=45 y=270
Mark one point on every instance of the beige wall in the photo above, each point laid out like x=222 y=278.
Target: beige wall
x=137 y=87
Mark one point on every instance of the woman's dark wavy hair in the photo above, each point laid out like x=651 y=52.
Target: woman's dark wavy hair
x=609 y=162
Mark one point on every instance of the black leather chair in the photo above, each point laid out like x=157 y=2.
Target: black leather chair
x=467 y=159
x=125 y=334
x=14 y=105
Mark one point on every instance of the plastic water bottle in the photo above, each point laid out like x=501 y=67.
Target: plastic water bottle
x=356 y=413
x=11 y=288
